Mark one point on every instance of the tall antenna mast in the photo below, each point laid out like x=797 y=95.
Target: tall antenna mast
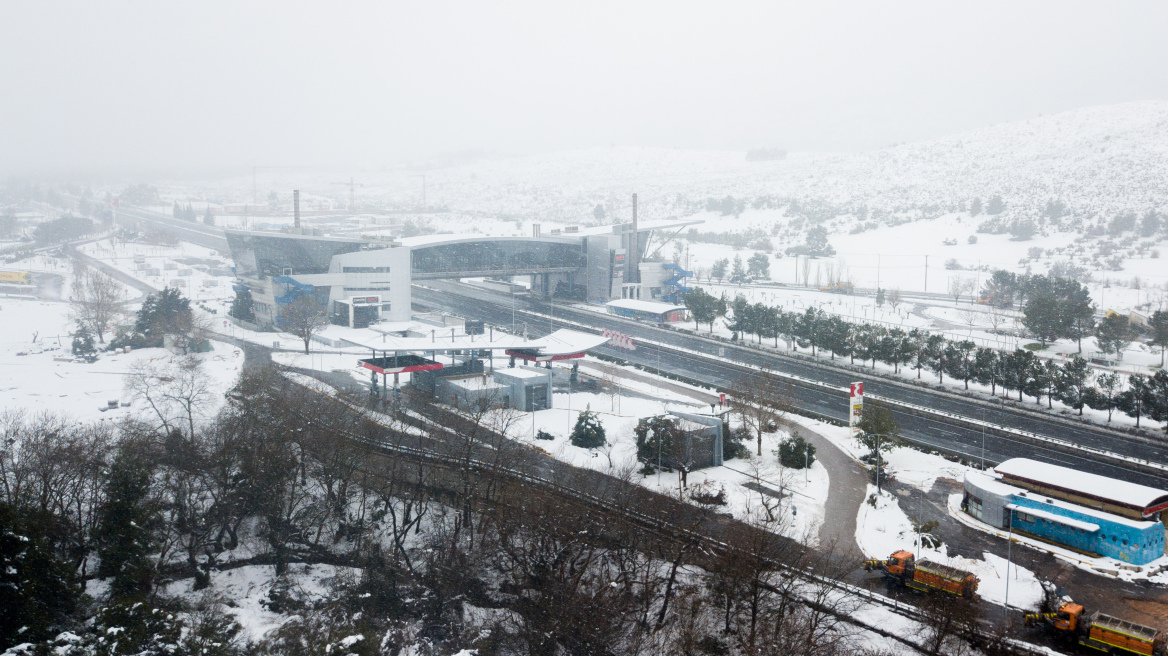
x=634 y=273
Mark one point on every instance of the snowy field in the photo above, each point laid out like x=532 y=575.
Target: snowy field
x=42 y=375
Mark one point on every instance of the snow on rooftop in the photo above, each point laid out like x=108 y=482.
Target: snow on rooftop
x=521 y=372
x=561 y=342
x=1093 y=485
x=644 y=306
x=567 y=342
x=994 y=485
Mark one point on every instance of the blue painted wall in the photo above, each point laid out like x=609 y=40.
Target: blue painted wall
x=1135 y=545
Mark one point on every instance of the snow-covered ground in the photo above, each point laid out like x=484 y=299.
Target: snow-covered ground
x=247 y=590
x=42 y=375
x=883 y=528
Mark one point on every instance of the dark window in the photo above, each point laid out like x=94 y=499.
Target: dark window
x=365 y=269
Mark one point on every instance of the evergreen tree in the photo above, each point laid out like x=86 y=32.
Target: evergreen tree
x=177 y=211
x=933 y=355
x=1001 y=289
x=795 y=453
x=243 y=307
x=718 y=271
x=1074 y=383
x=83 y=345
x=1135 y=398
x=878 y=430
x=657 y=437
x=701 y=307
x=124 y=530
x=739 y=273
x=598 y=212
x=208 y=217
x=1107 y=388
x=1076 y=311
x=588 y=432
x=1157 y=397
x=164 y=313
x=879 y=298
x=995 y=206
x=960 y=360
x=1113 y=334
x=1041 y=316
x=1150 y=224
x=759 y=266
x=1158 y=324
x=985 y=368
x=975 y=207
x=904 y=348
x=38 y=586
x=1049 y=381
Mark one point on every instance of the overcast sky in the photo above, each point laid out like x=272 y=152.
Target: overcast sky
x=172 y=87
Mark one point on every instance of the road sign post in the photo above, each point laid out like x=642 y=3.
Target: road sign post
x=855 y=406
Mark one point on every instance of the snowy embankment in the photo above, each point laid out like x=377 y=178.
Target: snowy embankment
x=883 y=528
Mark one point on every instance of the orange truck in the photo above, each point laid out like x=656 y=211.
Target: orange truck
x=1103 y=632
x=904 y=569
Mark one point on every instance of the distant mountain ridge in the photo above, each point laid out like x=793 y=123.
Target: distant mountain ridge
x=1095 y=161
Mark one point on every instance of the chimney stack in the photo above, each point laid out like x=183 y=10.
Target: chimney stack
x=296 y=208
x=634 y=256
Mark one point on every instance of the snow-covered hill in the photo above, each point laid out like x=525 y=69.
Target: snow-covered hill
x=1097 y=160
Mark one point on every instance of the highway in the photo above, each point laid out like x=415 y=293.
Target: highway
x=195 y=233
x=720 y=364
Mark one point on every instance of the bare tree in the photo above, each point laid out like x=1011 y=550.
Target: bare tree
x=96 y=301
x=959 y=285
x=997 y=318
x=969 y=318
x=893 y=298
x=948 y=619
x=176 y=392
x=761 y=400
x=304 y=317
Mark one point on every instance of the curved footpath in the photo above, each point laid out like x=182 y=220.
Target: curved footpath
x=847 y=484
x=847 y=480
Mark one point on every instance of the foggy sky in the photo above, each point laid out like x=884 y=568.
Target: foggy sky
x=106 y=87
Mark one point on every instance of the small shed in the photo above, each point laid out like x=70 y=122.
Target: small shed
x=651 y=311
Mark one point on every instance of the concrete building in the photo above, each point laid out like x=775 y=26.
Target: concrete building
x=523 y=388
x=584 y=265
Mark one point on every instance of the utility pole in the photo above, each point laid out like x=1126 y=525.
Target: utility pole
x=926 y=273
x=877 y=272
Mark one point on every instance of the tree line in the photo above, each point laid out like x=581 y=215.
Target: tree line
x=1073 y=382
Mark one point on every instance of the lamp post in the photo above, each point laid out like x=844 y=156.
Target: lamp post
x=1009 y=559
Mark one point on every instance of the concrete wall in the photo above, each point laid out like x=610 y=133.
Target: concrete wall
x=397 y=279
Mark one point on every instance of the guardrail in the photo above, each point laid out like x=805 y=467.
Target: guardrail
x=1141 y=464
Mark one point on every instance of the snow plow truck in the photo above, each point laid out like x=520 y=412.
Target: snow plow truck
x=904 y=569
x=1103 y=632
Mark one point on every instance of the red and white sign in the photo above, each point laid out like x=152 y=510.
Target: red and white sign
x=722 y=398
x=855 y=405
x=619 y=340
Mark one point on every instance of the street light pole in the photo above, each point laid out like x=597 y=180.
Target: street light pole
x=1009 y=559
